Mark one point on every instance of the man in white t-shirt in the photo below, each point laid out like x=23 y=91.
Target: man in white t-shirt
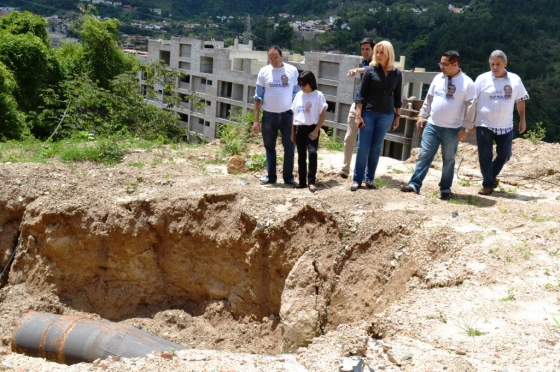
x=276 y=88
x=449 y=109
x=498 y=91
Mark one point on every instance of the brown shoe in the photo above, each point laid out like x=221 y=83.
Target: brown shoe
x=486 y=191
x=343 y=174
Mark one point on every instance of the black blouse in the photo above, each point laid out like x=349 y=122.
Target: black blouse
x=380 y=93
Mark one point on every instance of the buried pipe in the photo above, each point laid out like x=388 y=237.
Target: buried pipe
x=71 y=339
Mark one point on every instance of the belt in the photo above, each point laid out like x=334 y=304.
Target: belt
x=280 y=113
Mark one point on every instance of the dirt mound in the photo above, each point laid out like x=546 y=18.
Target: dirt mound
x=213 y=261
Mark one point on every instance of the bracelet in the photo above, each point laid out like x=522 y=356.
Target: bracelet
x=397 y=114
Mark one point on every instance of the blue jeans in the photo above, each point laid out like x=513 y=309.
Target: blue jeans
x=370 y=141
x=432 y=137
x=491 y=169
x=271 y=124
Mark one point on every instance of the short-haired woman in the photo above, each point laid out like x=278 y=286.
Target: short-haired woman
x=309 y=107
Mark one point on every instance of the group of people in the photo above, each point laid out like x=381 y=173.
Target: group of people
x=292 y=105
x=454 y=105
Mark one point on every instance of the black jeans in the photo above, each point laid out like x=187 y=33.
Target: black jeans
x=305 y=145
x=489 y=168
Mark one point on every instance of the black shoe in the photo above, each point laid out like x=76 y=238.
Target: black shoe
x=355 y=187
x=445 y=195
x=301 y=186
x=292 y=183
x=312 y=188
x=266 y=181
x=370 y=185
x=343 y=175
x=409 y=188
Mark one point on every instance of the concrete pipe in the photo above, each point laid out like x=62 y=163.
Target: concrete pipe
x=74 y=339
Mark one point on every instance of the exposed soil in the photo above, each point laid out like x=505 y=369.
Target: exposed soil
x=252 y=277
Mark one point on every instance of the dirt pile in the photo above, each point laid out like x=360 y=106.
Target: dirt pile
x=179 y=248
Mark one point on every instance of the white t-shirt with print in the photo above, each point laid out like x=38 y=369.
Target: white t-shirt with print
x=449 y=105
x=496 y=98
x=278 y=86
x=307 y=107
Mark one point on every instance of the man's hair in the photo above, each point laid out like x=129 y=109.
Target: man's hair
x=368 y=40
x=453 y=56
x=307 y=77
x=389 y=52
x=498 y=54
x=275 y=47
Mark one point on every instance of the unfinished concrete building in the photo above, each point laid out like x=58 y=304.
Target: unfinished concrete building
x=224 y=79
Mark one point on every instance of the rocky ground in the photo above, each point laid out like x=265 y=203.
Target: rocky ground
x=259 y=278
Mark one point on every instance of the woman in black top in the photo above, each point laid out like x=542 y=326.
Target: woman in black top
x=378 y=106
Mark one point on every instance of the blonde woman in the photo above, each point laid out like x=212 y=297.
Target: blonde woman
x=378 y=106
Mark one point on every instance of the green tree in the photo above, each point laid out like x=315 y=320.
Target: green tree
x=124 y=107
x=102 y=57
x=12 y=121
x=26 y=57
x=71 y=57
x=25 y=51
x=17 y=23
x=283 y=34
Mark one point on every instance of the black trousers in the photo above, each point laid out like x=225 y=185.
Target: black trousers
x=305 y=145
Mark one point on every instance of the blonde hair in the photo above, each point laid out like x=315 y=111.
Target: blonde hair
x=389 y=51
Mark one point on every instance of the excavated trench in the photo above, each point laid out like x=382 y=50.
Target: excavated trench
x=206 y=255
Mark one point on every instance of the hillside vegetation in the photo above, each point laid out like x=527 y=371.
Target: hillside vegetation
x=527 y=31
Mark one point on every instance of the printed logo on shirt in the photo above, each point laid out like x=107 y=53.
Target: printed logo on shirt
x=302 y=109
x=283 y=84
x=506 y=94
x=450 y=91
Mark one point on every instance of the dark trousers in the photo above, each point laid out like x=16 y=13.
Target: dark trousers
x=489 y=168
x=271 y=124
x=305 y=145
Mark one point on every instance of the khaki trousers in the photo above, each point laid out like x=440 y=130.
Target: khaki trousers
x=350 y=139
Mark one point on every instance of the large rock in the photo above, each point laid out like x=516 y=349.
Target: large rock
x=236 y=164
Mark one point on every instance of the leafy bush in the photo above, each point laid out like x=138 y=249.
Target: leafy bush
x=235 y=135
x=329 y=141
x=107 y=151
x=233 y=141
x=537 y=134
x=256 y=163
